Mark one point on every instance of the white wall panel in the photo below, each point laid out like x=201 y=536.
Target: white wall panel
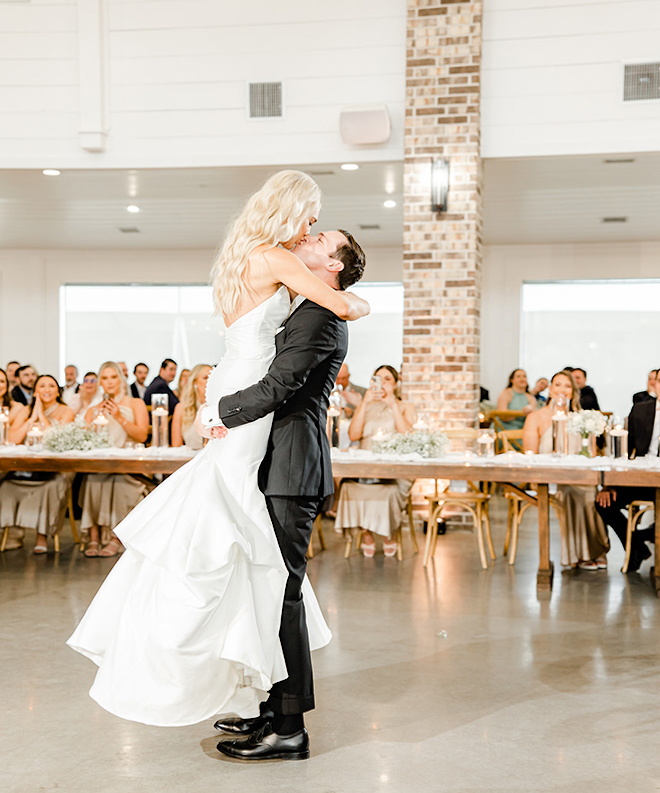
x=552 y=77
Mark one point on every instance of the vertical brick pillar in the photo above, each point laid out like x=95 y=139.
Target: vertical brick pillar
x=442 y=252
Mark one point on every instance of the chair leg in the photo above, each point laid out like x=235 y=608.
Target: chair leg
x=72 y=517
x=319 y=531
x=480 y=536
x=399 y=544
x=411 y=522
x=489 y=536
x=509 y=522
x=349 y=543
x=518 y=512
x=56 y=543
x=626 y=560
x=5 y=537
x=310 y=547
x=430 y=531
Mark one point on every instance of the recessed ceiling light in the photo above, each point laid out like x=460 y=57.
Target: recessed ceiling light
x=350 y=166
x=50 y=172
x=132 y=208
x=389 y=204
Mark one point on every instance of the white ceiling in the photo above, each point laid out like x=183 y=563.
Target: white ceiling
x=564 y=199
x=180 y=208
x=526 y=200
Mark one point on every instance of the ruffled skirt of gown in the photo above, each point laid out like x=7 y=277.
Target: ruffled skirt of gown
x=186 y=625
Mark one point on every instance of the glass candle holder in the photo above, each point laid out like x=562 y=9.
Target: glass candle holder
x=34 y=437
x=617 y=442
x=160 y=420
x=486 y=442
x=559 y=433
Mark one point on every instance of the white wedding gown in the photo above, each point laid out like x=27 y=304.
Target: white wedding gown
x=185 y=626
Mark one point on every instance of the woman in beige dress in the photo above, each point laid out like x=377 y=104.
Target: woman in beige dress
x=376 y=505
x=192 y=398
x=584 y=539
x=37 y=500
x=108 y=498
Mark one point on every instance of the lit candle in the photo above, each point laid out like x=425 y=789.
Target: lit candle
x=34 y=436
x=101 y=420
x=486 y=445
x=159 y=411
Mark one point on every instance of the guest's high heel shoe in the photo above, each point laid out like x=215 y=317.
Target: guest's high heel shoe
x=368 y=548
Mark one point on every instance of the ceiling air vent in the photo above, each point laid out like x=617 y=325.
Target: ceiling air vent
x=641 y=81
x=615 y=220
x=265 y=100
x=129 y=230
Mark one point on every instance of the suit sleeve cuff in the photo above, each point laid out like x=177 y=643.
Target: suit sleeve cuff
x=210 y=417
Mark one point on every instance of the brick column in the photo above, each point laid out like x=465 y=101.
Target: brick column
x=442 y=252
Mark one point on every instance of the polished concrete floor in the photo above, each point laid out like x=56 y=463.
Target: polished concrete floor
x=445 y=679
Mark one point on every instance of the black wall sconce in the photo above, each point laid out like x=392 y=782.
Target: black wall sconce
x=439 y=185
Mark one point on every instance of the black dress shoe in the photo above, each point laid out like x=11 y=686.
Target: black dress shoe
x=267 y=745
x=636 y=561
x=238 y=726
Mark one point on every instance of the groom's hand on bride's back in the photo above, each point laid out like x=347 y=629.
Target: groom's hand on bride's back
x=219 y=432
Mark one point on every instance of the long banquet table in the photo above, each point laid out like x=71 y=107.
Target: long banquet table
x=509 y=468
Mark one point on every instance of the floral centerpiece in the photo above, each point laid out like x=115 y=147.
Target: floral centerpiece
x=75 y=436
x=589 y=424
x=422 y=442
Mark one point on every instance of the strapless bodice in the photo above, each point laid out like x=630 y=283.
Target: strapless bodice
x=253 y=334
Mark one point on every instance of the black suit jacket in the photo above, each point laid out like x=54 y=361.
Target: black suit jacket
x=588 y=399
x=136 y=394
x=160 y=386
x=18 y=396
x=297 y=386
x=643 y=396
x=640 y=428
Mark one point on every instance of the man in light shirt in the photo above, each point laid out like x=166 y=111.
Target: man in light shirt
x=643 y=439
x=71 y=384
x=351 y=394
x=138 y=388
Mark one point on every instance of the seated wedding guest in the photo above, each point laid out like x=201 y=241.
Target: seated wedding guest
x=138 y=388
x=648 y=395
x=161 y=384
x=376 y=506
x=183 y=381
x=643 y=439
x=22 y=392
x=37 y=500
x=588 y=398
x=88 y=395
x=5 y=397
x=516 y=396
x=124 y=368
x=192 y=398
x=11 y=368
x=584 y=540
x=540 y=386
x=106 y=499
x=351 y=394
x=71 y=384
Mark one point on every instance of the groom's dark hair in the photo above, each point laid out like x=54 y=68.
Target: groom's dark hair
x=352 y=257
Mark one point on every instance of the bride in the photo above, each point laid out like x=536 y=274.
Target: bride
x=186 y=624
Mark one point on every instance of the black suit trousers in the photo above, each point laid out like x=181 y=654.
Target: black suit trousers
x=293 y=520
x=612 y=515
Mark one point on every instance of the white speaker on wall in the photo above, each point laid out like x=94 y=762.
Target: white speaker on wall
x=365 y=125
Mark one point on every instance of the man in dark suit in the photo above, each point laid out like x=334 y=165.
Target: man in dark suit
x=643 y=438
x=648 y=395
x=22 y=393
x=161 y=384
x=296 y=478
x=588 y=398
x=138 y=388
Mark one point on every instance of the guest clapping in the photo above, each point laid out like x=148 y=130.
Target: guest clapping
x=108 y=498
x=36 y=500
x=192 y=398
x=516 y=396
x=5 y=396
x=376 y=507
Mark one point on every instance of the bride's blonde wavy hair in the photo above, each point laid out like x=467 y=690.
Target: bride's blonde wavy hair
x=271 y=216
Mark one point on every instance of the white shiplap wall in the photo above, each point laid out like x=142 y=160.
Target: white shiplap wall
x=553 y=77
x=177 y=74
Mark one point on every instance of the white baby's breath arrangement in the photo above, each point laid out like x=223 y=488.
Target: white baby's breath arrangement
x=75 y=436
x=422 y=442
x=586 y=423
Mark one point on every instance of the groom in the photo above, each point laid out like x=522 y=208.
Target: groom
x=296 y=477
